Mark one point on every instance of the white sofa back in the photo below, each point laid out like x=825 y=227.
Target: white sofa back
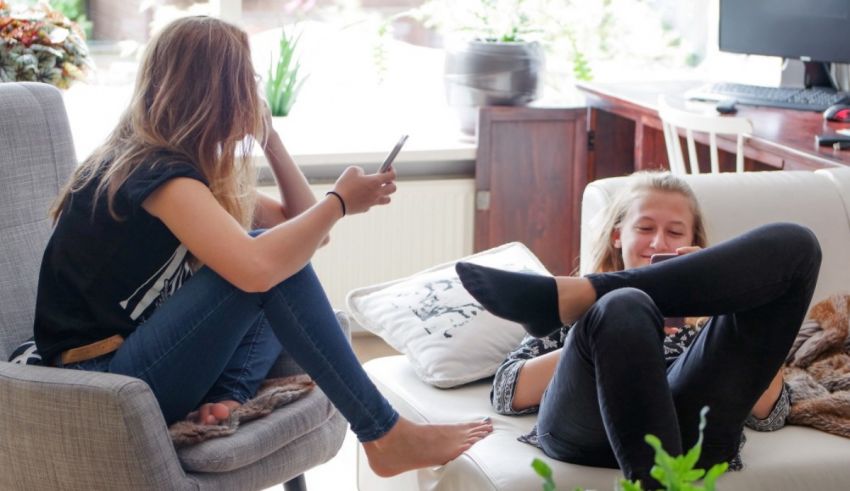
x=735 y=203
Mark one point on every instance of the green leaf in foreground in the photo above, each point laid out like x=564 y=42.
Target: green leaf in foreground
x=673 y=473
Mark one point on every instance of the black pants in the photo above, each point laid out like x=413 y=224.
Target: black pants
x=612 y=385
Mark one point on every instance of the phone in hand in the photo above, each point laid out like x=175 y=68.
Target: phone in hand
x=388 y=162
x=677 y=322
x=657 y=258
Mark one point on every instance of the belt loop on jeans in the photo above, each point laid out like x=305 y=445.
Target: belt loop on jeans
x=93 y=350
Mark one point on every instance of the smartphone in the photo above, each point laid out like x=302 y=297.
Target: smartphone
x=388 y=162
x=657 y=258
x=677 y=322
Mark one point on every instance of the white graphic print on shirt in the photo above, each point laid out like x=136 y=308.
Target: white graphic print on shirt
x=161 y=285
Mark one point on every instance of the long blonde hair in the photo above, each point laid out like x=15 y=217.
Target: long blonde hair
x=604 y=256
x=196 y=96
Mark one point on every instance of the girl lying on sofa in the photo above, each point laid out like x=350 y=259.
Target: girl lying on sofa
x=121 y=290
x=603 y=369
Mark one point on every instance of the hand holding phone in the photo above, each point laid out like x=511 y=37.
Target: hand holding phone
x=671 y=324
x=388 y=162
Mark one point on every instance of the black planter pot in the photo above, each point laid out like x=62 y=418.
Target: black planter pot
x=482 y=73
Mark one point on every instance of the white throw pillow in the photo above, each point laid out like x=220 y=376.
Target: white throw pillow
x=447 y=336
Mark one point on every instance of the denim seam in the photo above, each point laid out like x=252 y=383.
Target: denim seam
x=233 y=392
x=344 y=383
x=244 y=371
x=189 y=333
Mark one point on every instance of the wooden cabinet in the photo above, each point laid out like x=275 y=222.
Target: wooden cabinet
x=530 y=172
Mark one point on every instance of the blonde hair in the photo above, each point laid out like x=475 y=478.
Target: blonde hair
x=604 y=256
x=195 y=97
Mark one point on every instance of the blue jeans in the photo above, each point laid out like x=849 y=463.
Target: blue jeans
x=200 y=342
x=612 y=385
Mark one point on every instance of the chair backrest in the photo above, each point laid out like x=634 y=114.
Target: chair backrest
x=36 y=158
x=673 y=120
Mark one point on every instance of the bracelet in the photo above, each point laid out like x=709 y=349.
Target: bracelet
x=341 y=201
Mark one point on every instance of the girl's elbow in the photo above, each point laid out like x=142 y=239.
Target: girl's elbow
x=250 y=284
x=254 y=277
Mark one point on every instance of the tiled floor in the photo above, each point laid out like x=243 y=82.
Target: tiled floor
x=340 y=473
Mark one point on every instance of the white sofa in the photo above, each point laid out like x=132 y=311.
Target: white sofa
x=792 y=458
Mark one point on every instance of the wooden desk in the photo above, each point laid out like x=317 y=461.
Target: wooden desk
x=533 y=163
x=627 y=134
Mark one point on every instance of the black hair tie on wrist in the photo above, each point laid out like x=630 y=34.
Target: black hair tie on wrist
x=341 y=201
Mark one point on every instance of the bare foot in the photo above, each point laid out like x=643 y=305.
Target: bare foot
x=575 y=296
x=409 y=445
x=213 y=413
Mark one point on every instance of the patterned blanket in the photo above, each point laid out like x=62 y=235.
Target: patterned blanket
x=818 y=369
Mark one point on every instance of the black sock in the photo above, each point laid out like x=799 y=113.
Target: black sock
x=529 y=299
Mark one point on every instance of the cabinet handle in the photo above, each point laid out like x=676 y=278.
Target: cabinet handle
x=482 y=200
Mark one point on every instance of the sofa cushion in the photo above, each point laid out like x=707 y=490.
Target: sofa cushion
x=448 y=337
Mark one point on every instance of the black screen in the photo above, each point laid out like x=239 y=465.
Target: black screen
x=817 y=30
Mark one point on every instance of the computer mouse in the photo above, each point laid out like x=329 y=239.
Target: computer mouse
x=837 y=112
x=727 y=106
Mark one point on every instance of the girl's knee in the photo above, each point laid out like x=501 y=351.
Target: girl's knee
x=625 y=302
x=796 y=240
x=623 y=313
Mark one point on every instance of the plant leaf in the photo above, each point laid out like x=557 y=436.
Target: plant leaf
x=541 y=468
x=626 y=485
x=716 y=471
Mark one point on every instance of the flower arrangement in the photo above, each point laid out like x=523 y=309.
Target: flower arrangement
x=39 y=44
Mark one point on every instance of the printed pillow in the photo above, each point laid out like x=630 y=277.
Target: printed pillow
x=26 y=354
x=448 y=337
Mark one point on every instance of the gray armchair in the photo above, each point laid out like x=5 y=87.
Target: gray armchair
x=69 y=429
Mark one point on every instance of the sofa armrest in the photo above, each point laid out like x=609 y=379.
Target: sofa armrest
x=286 y=366
x=62 y=428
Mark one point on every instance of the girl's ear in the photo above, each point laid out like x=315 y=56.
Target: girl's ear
x=615 y=239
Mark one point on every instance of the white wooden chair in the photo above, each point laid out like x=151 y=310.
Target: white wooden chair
x=673 y=119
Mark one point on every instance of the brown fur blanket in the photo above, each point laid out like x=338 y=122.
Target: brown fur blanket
x=273 y=393
x=818 y=368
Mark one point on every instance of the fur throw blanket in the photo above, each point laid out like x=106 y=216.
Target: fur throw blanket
x=817 y=369
x=273 y=393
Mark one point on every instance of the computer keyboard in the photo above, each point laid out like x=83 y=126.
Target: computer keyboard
x=814 y=99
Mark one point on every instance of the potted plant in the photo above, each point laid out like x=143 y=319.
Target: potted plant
x=495 y=48
x=39 y=44
x=493 y=55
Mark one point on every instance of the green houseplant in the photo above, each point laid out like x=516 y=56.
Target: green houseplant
x=580 y=38
x=284 y=81
x=492 y=54
x=674 y=473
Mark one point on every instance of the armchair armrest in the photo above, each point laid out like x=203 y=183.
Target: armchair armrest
x=61 y=429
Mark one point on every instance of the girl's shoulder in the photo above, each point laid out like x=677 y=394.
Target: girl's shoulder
x=154 y=171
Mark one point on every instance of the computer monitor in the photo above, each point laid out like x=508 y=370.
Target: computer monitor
x=814 y=31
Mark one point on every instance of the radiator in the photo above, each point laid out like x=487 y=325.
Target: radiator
x=428 y=222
